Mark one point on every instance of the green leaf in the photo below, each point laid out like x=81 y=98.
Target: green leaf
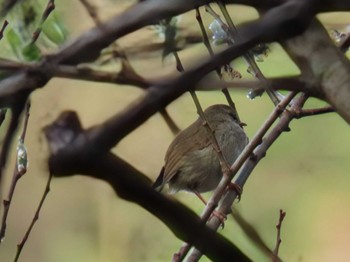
x=15 y=41
x=54 y=29
x=31 y=52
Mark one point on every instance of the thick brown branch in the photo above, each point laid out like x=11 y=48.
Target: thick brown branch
x=88 y=46
x=321 y=61
x=322 y=6
x=133 y=186
x=89 y=74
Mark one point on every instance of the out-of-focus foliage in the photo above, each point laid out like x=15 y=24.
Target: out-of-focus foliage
x=25 y=19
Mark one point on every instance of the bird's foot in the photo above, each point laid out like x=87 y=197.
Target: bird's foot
x=221 y=216
x=237 y=188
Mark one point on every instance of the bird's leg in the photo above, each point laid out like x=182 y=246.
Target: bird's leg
x=200 y=197
x=237 y=188
x=232 y=186
x=221 y=216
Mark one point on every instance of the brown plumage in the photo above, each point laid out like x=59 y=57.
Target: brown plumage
x=191 y=163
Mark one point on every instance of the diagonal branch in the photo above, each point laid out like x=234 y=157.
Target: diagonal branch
x=226 y=203
x=243 y=157
x=323 y=63
x=34 y=220
x=132 y=185
x=88 y=46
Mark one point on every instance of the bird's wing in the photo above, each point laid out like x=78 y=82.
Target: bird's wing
x=193 y=138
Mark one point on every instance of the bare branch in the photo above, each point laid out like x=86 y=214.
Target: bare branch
x=314 y=112
x=279 y=240
x=86 y=73
x=132 y=185
x=169 y=121
x=250 y=164
x=226 y=203
x=233 y=34
x=2 y=30
x=17 y=174
x=218 y=71
x=16 y=112
x=49 y=8
x=88 y=46
x=35 y=218
x=320 y=59
x=127 y=75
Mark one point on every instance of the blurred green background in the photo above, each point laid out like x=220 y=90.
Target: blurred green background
x=305 y=173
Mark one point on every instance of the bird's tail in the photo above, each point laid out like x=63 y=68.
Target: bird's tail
x=159 y=183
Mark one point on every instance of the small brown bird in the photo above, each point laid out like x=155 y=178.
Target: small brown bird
x=191 y=163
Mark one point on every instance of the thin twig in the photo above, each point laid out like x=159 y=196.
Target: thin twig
x=2 y=115
x=92 y=11
x=314 y=112
x=2 y=30
x=49 y=8
x=169 y=121
x=218 y=72
x=286 y=117
x=16 y=112
x=278 y=240
x=35 y=218
x=225 y=166
x=17 y=174
x=245 y=154
x=132 y=185
x=252 y=233
x=127 y=75
x=232 y=33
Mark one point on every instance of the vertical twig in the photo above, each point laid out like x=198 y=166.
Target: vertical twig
x=211 y=53
x=17 y=174
x=278 y=240
x=225 y=166
x=35 y=218
x=232 y=33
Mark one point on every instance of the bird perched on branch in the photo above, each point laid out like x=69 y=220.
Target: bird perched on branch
x=191 y=163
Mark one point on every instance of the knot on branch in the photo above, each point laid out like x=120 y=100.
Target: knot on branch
x=63 y=131
x=65 y=138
